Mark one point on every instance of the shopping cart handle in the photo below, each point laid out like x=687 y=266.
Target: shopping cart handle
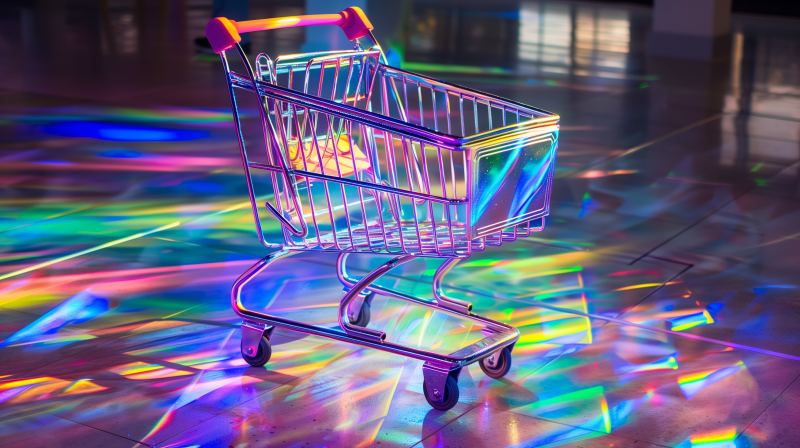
x=223 y=33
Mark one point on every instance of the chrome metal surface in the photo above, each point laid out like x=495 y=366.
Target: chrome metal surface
x=424 y=178
x=357 y=289
x=251 y=336
x=435 y=378
x=356 y=168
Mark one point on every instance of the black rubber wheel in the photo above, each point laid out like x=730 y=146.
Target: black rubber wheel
x=450 y=395
x=364 y=313
x=261 y=357
x=502 y=366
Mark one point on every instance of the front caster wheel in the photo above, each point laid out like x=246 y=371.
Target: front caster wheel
x=262 y=355
x=364 y=313
x=450 y=395
x=497 y=364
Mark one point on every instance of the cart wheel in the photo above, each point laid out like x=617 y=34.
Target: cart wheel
x=260 y=358
x=501 y=367
x=364 y=313
x=450 y=395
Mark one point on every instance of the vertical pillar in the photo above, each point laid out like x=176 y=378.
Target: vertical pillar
x=691 y=29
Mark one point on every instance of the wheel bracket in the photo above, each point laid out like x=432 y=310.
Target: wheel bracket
x=435 y=377
x=252 y=332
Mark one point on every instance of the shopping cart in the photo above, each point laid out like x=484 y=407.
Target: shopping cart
x=365 y=158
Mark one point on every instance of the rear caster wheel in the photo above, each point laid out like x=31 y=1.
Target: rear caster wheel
x=262 y=355
x=497 y=364
x=450 y=395
x=364 y=313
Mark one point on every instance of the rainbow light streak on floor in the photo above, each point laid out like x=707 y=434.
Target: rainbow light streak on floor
x=691 y=385
x=722 y=438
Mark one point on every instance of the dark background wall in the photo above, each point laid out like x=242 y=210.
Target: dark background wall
x=788 y=8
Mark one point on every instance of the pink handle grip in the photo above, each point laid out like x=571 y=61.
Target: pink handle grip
x=223 y=33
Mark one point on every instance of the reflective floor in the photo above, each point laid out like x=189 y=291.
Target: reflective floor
x=660 y=307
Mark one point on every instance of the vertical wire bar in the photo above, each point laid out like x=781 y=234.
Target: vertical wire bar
x=346 y=125
x=289 y=112
x=374 y=162
x=371 y=84
x=390 y=157
x=301 y=141
x=419 y=97
x=421 y=123
x=453 y=178
x=468 y=174
x=315 y=147
x=371 y=134
x=425 y=164
x=461 y=112
x=361 y=189
x=387 y=142
x=335 y=233
x=394 y=92
x=238 y=125
x=358 y=84
x=489 y=111
x=391 y=167
x=286 y=137
x=446 y=207
x=321 y=78
x=428 y=191
x=447 y=110
x=336 y=78
x=301 y=147
x=410 y=186
x=475 y=109
x=450 y=152
x=288 y=120
x=442 y=174
x=405 y=97
x=463 y=153
x=332 y=137
x=435 y=117
x=347 y=82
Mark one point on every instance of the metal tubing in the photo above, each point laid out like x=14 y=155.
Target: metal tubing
x=362 y=184
x=349 y=282
x=357 y=288
x=294 y=123
x=382 y=122
x=265 y=125
x=238 y=125
x=435 y=377
x=459 y=306
x=491 y=325
x=236 y=302
x=504 y=336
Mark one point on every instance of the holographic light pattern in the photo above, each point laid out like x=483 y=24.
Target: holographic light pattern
x=657 y=309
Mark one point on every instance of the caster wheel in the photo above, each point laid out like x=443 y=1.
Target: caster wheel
x=501 y=365
x=450 y=395
x=261 y=357
x=364 y=313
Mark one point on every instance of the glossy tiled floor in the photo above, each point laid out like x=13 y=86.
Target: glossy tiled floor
x=659 y=308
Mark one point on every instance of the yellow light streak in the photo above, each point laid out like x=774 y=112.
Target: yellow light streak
x=425 y=321
x=645 y=285
x=87 y=251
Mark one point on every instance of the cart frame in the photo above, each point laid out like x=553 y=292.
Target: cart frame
x=440 y=372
